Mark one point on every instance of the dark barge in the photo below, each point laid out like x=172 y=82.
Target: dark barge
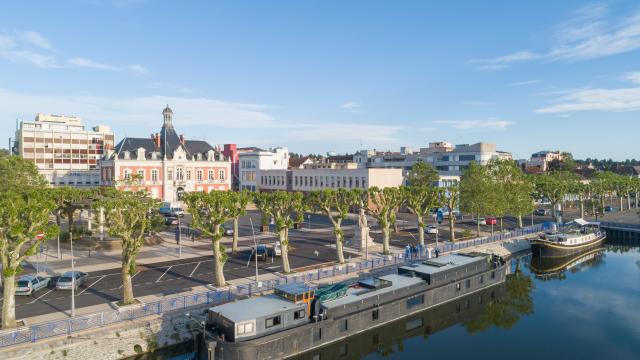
x=299 y=318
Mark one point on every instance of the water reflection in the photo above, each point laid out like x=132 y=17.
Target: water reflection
x=556 y=268
x=501 y=305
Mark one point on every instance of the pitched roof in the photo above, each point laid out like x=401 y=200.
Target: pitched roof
x=296 y=162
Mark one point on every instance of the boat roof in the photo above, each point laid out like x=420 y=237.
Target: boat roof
x=296 y=288
x=444 y=263
x=583 y=222
x=354 y=295
x=254 y=308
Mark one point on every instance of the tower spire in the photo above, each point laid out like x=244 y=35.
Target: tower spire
x=167 y=114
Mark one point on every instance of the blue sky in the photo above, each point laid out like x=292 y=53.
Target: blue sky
x=320 y=76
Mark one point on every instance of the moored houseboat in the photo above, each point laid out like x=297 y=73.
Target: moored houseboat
x=298 y=318
x=575 y=237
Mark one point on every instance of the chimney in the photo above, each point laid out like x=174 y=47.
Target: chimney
x=181 y=139
x=156 y=140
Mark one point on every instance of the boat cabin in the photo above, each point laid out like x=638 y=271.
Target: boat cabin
x=448 y=268
x=255 y=317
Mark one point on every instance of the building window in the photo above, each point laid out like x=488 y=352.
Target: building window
x=271 y=322
x=141 y=174
x=466 y=157
x=221 y=174
x=375 y=314
x=170 y=174
x=188 y=174
x=415 y=301
x=210 y=174
x=199 y=175
x=344 y=325
x=179 y=174
x=357 y=182
x=154 y=175
x=364 y=182
x=127 y=174
x=300 y=314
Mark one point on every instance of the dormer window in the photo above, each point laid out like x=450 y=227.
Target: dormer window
x=126 y=155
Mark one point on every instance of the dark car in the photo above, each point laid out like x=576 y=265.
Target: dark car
x=171 y=220
x=609 y=208
x=540 y=212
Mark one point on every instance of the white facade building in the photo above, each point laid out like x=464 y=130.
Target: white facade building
x=252 y=163
x=63 y=150
x=329 y=176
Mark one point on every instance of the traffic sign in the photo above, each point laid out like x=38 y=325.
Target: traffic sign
x=40 y=235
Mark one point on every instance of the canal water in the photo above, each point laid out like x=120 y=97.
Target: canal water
x=583 y=307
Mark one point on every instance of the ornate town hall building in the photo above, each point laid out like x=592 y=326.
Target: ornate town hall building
x=165 y=164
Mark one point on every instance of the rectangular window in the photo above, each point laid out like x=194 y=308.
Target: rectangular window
x=245 y=328
x=467 y=283
x=188 y=174
x=481 y=279
x=344 y=325
x=300 y=314
x=458 y=286
x=343 y=350
x=375 y=314
x=141 y=174
x=415 y=301
x=221 y=174
x=271 y=322
x=493 y=274
x=210 y=174
x=169 y=174
x=466 y=157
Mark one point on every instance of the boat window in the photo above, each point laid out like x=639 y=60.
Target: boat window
x=481 y=279
x=415 y=301
x=271 y=322
x=493 y=274
x=317 y=334
x=344 y=325
x=458 y=286
x=300 y=314
x=468 y=283
x=375 y=314
x=245 y=328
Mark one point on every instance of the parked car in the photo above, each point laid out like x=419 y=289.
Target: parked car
x=171 y=220
x=491 y=221
x=430 y=229
x=541 y=212
x=609 y=208
x=480 y=220
x=28 y=284
x=261 y=252
x=66 y=281
x=227 y=230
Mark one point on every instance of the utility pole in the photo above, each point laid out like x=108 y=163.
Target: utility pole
x=179 y=239
x=59 y=255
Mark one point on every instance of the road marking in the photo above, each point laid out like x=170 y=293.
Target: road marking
x=273 y=267
x=134 y=275
x=194 y=269
x=169 y=268
x=87 y=288
x=39 y=297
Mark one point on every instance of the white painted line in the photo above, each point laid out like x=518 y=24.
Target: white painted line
x=39 y=297
x=134 y=275
x=87 y=288
x=194 y=269
x=169 y=268
x=273 y=267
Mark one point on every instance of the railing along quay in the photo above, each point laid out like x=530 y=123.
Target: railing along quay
x=379 y=265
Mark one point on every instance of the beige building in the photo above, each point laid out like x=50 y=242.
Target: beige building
x=64 y=151
x=329 y=176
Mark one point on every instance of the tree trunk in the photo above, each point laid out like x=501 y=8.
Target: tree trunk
x=284 y=242
x=620 y=198
x=636 y=199
x=127 y=286
x=520 y=221
x=501 y=228
x=218 y=265
x=421 y=230
x=9 y=302
x=629 y=200
x=339 y=236
x=234 y=245
x=581 y=207
x=385 y=239
x=478 y=225
x=452 y=227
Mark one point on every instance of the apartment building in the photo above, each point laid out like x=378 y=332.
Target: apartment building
x=64 y=150
x=166 y=164
x=329 y=176
x=541 y=159
x=254 y=161
x=450 y=161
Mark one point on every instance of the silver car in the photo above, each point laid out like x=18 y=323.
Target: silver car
x=66 y=281
x=28 y=284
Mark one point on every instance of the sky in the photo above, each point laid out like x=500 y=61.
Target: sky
x=333 y=76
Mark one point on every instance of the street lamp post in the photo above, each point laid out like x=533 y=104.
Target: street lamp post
x=179 y=239
x=73 y=278
x=255 y=242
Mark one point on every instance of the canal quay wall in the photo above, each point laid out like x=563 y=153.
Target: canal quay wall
x=116 y=341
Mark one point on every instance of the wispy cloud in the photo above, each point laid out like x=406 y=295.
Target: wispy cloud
x=633 y=77
x=487 y=124
x=353 y=107
x=524 y=83
x=35 y=49
x=625 y=99
x=588 y=34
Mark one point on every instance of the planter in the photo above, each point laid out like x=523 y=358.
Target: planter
x=297 y=226
x=117 y=305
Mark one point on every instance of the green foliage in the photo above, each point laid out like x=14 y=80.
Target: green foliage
x=422 y=174
x=286 y=208
x=209 y=211
x=17 y=174
x=384 y=207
